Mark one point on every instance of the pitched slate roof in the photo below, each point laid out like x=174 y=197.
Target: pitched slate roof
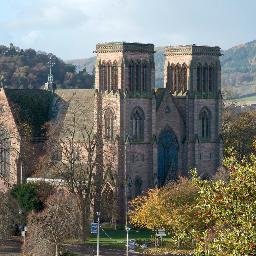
x=74 y=108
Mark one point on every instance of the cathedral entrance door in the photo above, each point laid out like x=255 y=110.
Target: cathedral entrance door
x=167 y=156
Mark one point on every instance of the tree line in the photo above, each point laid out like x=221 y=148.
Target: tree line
x=28 y=69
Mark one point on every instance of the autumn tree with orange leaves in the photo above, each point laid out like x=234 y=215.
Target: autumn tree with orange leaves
x=171 y=207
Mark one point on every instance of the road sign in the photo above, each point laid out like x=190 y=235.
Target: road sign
x=161 y=232
x=94 y=228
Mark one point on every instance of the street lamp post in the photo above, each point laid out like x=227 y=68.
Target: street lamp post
x=127 y=240
x=98 y=233
x=126 y=196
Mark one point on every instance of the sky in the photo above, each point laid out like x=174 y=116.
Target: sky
x=70 y=29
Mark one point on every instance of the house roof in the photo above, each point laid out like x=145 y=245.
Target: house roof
x=74 y=108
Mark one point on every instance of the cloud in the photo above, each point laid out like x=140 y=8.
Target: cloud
x=71 y=28
x=48 y=17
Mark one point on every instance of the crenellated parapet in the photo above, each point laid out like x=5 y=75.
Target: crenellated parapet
x=124 y=47
x=192 y=50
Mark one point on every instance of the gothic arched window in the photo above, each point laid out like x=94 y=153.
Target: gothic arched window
x=103 y=76
x=168 y=148
x=211 y=78
x=4 y=152
x=131 y=77
x=170 y=77
x=137 y=124
x=205 y=123
x=205 y=78
x=144 y=77
x=179 y=78
x=109 y=124
x=109 y=76
x=199 y=77
x=138 y=77
x=114 y=76
x=184 y=77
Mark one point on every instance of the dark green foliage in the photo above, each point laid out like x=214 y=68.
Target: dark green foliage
x=27 y=197
x=69 y=254
x=239 y=132
x=29 y=69
x=33 y=108
x=32 y=196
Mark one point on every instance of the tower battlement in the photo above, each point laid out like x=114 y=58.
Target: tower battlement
x=192 y=50
x=124 y=47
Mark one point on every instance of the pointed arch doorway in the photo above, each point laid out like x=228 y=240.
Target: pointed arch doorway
x=168 y=148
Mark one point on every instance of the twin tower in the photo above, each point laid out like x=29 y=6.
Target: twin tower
x=162 y=133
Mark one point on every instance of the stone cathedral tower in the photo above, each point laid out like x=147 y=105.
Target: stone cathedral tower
x=124 y=79
x=159 y=134
x=193 y=77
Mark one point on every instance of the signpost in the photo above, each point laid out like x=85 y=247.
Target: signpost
x=161 y=233
x=98 y=233
x=94 y=228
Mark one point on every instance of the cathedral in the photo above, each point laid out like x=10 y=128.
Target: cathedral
x=166 y=131
x=155 y=134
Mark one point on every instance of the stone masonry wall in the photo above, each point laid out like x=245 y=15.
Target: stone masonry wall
x=7 y=122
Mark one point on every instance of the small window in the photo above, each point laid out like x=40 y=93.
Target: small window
x=205 y=123
x=137 y=124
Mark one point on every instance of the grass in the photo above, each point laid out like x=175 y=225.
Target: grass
x=117 y=238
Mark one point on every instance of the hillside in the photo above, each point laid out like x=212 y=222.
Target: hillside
x=80 y=64
x=28 y=69
x=238 y=68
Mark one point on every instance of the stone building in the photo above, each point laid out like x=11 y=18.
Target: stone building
x=9 y=145
x=163 y=132
x=156 y=135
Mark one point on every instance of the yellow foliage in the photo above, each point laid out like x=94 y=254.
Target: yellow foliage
x=171 y=207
